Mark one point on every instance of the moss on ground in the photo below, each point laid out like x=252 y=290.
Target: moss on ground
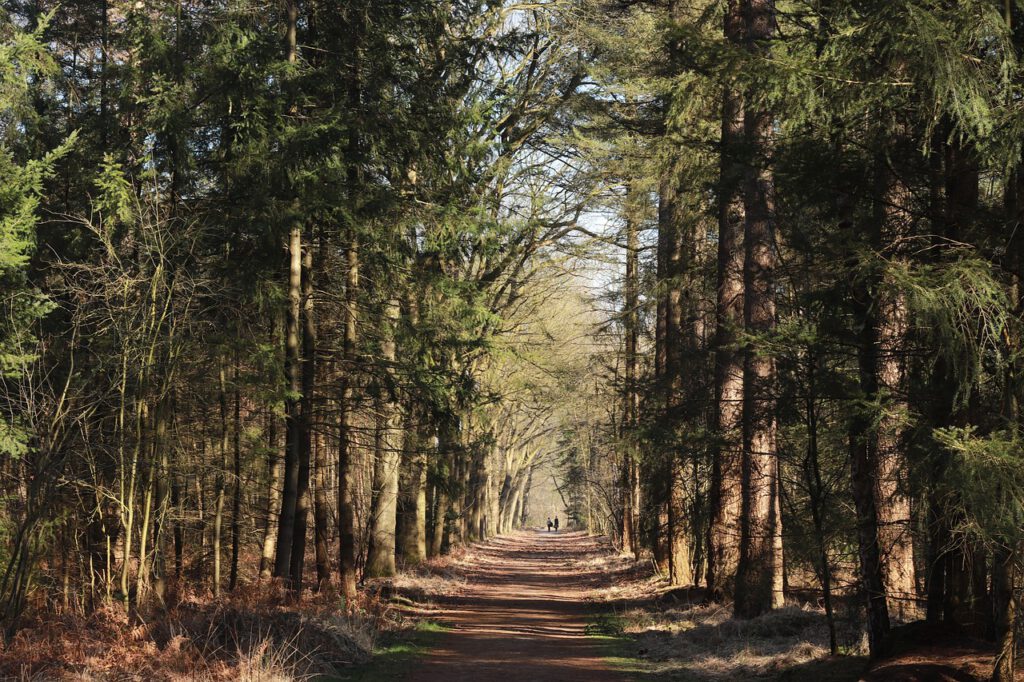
x=395 y=655
x=618 y=649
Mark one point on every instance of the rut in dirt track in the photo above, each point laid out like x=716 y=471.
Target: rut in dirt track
x=524 y=613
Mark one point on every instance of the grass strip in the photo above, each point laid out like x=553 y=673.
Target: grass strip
x=396 y=655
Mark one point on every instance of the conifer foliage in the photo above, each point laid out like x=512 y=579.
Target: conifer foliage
x=304 y=291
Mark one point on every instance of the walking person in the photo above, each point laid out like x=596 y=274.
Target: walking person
x=549 y=524
x=556 y=524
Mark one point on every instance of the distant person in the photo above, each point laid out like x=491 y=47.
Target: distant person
x=556 y=524
x=549 y=524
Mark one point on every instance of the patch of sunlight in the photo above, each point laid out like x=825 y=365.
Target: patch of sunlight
x=617 y=647
x=395 y=656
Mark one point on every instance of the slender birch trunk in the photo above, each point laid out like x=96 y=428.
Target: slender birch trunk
x=630 y=484
x=236 y=502
x=274 y=477
x=218 y=515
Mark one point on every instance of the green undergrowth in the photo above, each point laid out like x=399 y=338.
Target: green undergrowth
x=393 y=657
x=618 y=649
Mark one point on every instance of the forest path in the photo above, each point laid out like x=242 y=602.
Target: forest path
x=523 y=614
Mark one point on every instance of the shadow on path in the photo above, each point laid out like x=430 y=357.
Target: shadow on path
x=523 y=615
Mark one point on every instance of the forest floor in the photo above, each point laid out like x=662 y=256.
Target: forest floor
x=563 y=606
x=532 y=606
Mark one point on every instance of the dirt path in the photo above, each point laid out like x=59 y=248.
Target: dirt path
x=523 y=614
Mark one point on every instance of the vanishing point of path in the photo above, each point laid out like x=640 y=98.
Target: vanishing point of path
x=523 y=615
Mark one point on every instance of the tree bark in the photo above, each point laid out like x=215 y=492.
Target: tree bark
x=292 y=362
x=724 y=530
x=321 y=531
x=346 y=455
x=293 y=445
x=274 y=476
x=383 y=518
x=306 y=402
x=759 y=578
x=179 y=533
x=476 y=497
x=236 y=503
x=437 y=525
x=1005 y=611
x=163 y=497
x=412 y=521
x=1006 y=553
x=679 y=556
x=816 y=493
x=951 y=569
x=891 y=497
x=863 y=466
x=525 y=511
x=222 y=449
x=874 y=482
x=894 y=522
x=630 y=485
x=677 y=249
x=412 y=518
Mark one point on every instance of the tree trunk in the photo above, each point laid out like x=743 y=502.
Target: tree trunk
x=412 y=520
x=894 y=522
x=381 y=560
x=218 y=515
x=676 y=242
x=346 y=445
x=759 y=579
x=724 y=531
x=679 y=557
x=440 y=507
x=293 y=368
x=891 y=497
x=163 y=497
x=505 y=503
x=459 y=500
x=478 y=481
x=816 y=492
x=346 y=455
x=236 y=503
x=274 y=472
x=321 y=531
x=308 y=362
x=179 y=533
x=630 y=500
x=866 y=472
x=517 y=506
x=1005 y=611
x=292 y=360
x=950 y=568
x=1005 y=554
x=525 y=511
x=862 y=474
x=142 y=576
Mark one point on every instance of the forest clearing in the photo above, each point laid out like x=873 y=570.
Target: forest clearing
x=459 y=339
